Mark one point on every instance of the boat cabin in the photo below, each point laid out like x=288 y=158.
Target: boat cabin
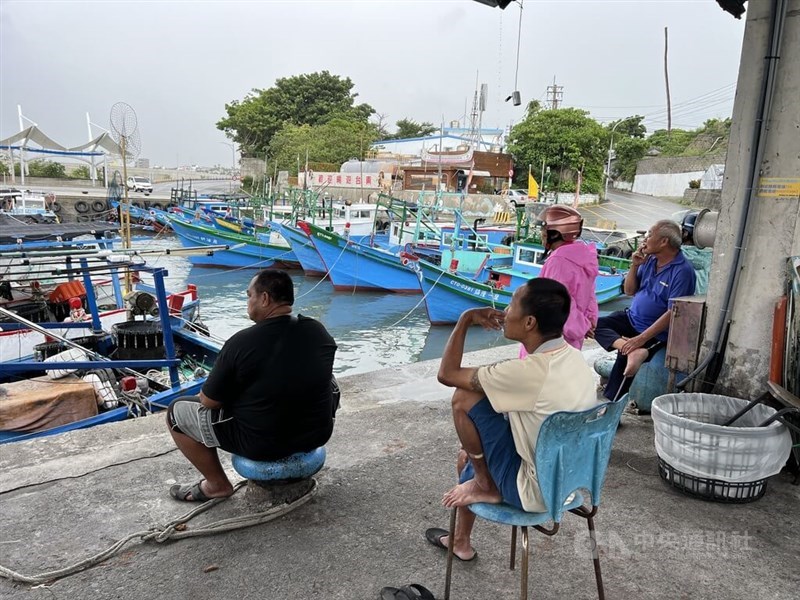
x=25 y=203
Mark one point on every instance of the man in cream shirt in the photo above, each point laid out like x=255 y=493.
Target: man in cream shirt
x=496 y=462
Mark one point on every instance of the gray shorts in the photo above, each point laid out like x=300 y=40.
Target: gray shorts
x=197 y=421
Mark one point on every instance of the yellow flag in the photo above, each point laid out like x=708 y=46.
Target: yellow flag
x=533 y=187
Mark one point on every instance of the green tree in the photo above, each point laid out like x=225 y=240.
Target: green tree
x=310 y=99
x=4 y=170
x=630 y=146
x=568 y=140
x=80 y=172
x=717 y=127
x=409 y=128
x=628 y=127
x=671 y=143
x=333 y=142
x=628 y=151
x=46 y=168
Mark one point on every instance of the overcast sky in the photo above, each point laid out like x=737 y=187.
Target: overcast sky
x=178 y=63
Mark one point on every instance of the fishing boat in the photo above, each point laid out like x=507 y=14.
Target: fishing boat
x=303 y=249
x=141 y=364
x=244 y=251
x=358 y=263
x=468 y=279
x=28 y=206
x=373 y=262
x=359 y=219
x=146 y=219
x=51 y=281
x=376 y=262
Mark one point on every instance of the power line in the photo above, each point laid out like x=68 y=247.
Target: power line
x=696 y=99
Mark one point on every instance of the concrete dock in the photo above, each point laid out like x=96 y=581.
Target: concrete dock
x=65 y=498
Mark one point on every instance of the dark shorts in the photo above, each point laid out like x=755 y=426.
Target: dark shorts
x=499 y=451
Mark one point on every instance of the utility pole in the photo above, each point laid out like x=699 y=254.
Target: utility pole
x=666 y=80
x=555 y=94
x=757 y=230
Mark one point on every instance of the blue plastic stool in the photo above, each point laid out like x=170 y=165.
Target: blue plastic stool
x=650 y=382
x=279 y=481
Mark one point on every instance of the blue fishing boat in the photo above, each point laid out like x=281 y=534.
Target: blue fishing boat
x=353 y=263
x=141 y=364
x=244 y=251
x=303 y=248
x=358 y=219
x=466 y=279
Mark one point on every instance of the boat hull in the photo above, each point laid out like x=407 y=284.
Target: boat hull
x=352 y=265
x=244 y=252
x=303 y=248
x=449 y=294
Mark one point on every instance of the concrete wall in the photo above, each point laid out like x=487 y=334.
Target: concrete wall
x=677 y=164
x=155 y=175
x=664 y=184
x=569 y=198
x=670 y=175
x=252 y=167
x=774 y=221
x=711 y=199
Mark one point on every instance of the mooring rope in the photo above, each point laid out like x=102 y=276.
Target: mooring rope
x=171 y=531
x=327 y=273
x=424 y=296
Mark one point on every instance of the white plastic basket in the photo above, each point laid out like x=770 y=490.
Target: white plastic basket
x=690 y=437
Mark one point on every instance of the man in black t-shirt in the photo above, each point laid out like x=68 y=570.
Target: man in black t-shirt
x=268 y=396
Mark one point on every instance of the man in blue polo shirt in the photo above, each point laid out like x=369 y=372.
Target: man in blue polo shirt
x=659 y=272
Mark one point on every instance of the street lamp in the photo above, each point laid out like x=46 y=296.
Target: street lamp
x=608 y=164
x=233 y=163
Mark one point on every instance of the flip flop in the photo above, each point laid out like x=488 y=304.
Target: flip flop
x=182 y=492
x=414 y=591
x=434 y=536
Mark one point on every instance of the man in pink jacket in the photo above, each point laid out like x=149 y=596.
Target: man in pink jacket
x=574 y=264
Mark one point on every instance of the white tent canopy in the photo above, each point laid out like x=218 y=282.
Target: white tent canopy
x=101 y=146
x=32 y=134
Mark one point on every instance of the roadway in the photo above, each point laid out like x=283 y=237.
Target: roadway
x=201 y=186
x=629 y=211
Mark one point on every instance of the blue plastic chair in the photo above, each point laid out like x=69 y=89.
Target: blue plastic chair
x=572 y=454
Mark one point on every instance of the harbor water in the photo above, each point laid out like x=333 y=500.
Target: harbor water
x=373 y=330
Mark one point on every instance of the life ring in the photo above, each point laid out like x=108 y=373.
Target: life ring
x=99 y=205
x=82 y=206
x=157 y=206
x=83 y=218
x=55 y=207
x=627 y=253
x=612 y=251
